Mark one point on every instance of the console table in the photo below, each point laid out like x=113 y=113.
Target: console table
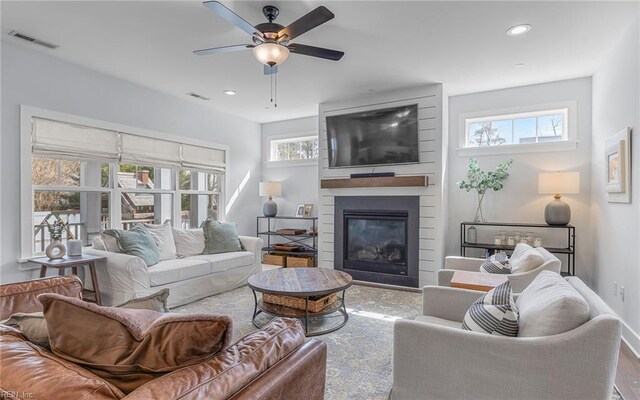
x=568 y=248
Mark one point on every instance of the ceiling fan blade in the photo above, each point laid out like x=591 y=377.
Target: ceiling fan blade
x=269 y=70
x=315 y=51
x=232 y=17
x=225 y=49
x=305 y=23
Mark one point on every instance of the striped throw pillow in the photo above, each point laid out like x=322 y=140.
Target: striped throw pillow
x=496 y=264
x=494 y=313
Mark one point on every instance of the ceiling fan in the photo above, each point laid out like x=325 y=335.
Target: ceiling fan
x=271 y=41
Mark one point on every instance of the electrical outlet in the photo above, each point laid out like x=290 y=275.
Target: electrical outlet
x=622 y=293
x=615 y=288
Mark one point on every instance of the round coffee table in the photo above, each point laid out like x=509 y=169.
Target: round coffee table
x=303 y=283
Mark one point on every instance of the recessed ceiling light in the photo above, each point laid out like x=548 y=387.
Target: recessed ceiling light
x=229 y=92
x=519 y=65
x=518 y=29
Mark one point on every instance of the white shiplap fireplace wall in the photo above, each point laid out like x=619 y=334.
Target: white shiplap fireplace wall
x=431 y=107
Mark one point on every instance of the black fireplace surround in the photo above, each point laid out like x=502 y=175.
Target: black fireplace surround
x=376 y=238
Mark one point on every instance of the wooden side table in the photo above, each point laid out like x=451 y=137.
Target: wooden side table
x=477 y=280
x=73 y=262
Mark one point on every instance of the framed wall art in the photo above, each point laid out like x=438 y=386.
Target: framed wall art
x=617 y=174
x=308 y=210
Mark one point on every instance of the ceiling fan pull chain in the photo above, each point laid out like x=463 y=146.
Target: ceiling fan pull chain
x=271 y=82
x=275 y=89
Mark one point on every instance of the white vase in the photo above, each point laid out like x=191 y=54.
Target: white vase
x=74 y=247
x=56 y=250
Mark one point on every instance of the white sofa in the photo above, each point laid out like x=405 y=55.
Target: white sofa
x=123 y=277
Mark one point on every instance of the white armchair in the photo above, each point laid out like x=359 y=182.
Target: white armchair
x=519 y=281
x=433 y=358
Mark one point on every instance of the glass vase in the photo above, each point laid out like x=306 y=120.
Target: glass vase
x=472 y=235
x=479 y=214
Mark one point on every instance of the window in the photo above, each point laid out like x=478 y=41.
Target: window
x=73 y=192
x=143 y=195
x=94 y=179
x=199 y=197
x=517 y=129
x=294 y=149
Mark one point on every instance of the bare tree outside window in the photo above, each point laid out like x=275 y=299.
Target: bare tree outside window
x=556 y=121
x=46 y=171
x=519 y=128
x=487 y=135
x=304 y=148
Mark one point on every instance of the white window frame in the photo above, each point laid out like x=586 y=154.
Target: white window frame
x=570 y=129
x=28 y=113
x=68 y=189
x=178 y=210
x=285 y=138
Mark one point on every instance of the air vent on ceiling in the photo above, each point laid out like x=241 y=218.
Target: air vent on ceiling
x=33 y=40
x=198 y=96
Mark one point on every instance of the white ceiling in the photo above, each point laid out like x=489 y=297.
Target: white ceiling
x=388 y=44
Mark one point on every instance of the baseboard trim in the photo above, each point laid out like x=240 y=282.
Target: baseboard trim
x=386 y=286
x=631 y=339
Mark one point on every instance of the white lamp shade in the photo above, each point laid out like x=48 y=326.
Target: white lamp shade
x=559 y=183
x=270 y=189
x=271 y=53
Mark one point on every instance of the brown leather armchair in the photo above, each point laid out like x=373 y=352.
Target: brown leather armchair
x=283 y=366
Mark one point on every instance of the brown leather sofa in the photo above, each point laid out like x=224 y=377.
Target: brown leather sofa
x=269 y=364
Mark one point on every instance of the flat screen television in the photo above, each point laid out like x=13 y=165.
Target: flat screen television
x=376 y=137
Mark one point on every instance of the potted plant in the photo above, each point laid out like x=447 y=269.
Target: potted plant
x=481 y=181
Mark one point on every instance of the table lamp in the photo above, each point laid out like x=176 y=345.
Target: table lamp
x=270 y=208
x=557 y=212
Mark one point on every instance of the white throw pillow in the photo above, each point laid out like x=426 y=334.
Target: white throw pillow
x=189 y=242
x=525 y=258
x=110 y=243
x=549 y=306
x=163 y=236
x=98 y=244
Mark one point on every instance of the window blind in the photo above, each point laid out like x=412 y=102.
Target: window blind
x=53 y=139
x=203 y=158
x=148 y=151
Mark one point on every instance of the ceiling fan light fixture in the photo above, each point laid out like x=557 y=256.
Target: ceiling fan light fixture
x=270 y=53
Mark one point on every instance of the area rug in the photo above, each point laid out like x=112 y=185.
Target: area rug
x=359 y=359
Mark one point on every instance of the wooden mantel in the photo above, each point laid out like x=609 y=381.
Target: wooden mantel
x=386 y=181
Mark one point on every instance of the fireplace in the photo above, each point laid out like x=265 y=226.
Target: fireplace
x=376 y=238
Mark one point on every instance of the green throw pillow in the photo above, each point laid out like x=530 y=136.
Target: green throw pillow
x=137 y=241
x=220 y=238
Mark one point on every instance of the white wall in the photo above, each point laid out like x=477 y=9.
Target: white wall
x=616 y=105
x=38 y=80
x=299 y=182
x=430 y=100
x=519 y=200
